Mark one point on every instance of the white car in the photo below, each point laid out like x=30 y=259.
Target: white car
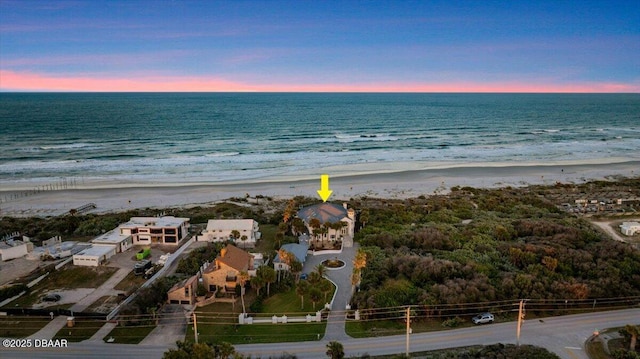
x=482 y=318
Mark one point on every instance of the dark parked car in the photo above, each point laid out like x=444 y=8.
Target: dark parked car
x=51 y=297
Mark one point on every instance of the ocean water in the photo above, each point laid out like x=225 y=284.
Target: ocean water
x=227 y=137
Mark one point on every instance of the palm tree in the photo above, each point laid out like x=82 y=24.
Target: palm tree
x=296 y=268
x=243 y=239
x=224 y=350
x=243 y=277
x=235 y=234
x=314 y=278
x=297 y=226
x=325 y=287
x=315 y=224
x=335 y=350
x=364 y=217
x=321 y=270
x=257 y=283
x=634 y=331
x=283 y=227
x=325 y=230
x=314 y=295
x=268 y=275
x=301 y=289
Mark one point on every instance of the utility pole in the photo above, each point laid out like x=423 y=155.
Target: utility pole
x=408 y=329
x=520 y=320
x=195 y=327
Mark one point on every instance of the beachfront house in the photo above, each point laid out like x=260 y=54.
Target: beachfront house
x=94 y=256
x=630 y=228
x=329 y=221
x=184 y=292
x=299 y=251
x=156 y=230
x=225 y=271
x=222 y=230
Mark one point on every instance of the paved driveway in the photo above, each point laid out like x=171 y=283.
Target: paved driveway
x=171 y=328
x=342 y=278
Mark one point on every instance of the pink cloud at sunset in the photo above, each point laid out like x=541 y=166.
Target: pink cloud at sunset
x=18 y=81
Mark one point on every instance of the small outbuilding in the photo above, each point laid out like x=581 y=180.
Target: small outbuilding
x=94 y=256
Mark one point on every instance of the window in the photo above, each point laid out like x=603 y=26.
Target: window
x=170 y=231
x=170 y=239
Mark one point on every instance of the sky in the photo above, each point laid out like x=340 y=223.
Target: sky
x=320 y=46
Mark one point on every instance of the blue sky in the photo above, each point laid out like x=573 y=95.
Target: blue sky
x=538 y=46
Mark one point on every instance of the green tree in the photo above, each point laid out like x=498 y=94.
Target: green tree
x=243 y=239
x=321 y=270
x=301 y=289
x=189 y=350
x=335 y=350
x=268 y=275
x=243 y=277
x=364 y=216
x=257 y=283
x=633 y=331
x=235 y=235
x=296 y=268
x=326 y=287
x=314 y=295
x=297 y=226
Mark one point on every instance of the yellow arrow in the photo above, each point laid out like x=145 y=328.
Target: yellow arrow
x=324 y=190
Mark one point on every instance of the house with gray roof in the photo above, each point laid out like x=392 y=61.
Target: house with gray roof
x=298 y=250
x=330 y=213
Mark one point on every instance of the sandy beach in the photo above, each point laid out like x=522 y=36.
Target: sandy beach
x=396 y=184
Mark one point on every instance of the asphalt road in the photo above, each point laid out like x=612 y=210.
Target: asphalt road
x=564 y=336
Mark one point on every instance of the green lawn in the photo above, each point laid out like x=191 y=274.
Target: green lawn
x=377 y=328
x=289 y=302
x=213 y=332
x=267 y=242
x=21 y=326
x=83 y=329
x=129 y=335
x=69 y=277
x=217 y=322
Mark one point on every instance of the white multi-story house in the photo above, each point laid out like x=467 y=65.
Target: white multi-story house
x=220 y=230
x=160 y=230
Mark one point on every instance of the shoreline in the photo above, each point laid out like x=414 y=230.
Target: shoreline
x=110 y=196
x=347 y=172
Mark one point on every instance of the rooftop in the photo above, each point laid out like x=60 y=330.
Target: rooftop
x=96 y=250
x=235 y=258
x=298 y=250
x=230 y=224
x=112 y=236
x=326 y=212
x=166 y=221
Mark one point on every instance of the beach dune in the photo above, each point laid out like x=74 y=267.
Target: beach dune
x=389 y=183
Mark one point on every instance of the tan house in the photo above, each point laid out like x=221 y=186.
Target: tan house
x=224 y=272
x=184 y=292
